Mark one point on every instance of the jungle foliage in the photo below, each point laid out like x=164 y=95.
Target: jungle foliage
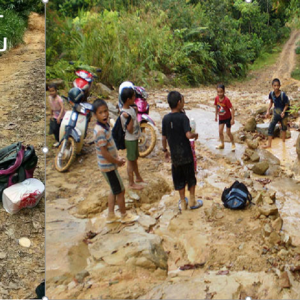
x=14 y=21
x=191 y=41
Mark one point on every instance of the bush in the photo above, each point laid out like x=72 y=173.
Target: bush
x=297 y=50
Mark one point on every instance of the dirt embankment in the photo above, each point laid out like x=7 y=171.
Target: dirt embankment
x=224 y=254
x=22 y=110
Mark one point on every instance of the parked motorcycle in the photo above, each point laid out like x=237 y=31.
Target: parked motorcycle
x=74 y=125
x=147 y=139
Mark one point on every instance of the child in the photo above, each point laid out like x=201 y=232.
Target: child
x=132 y=134
x=57 y=112
x=177 y=131
x=108 y=161
x=281 y=104
x=223 y=107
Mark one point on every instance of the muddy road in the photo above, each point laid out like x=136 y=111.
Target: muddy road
x=207 y=253
x=22 y=112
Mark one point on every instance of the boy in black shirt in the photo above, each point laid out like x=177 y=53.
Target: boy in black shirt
x=177 y=131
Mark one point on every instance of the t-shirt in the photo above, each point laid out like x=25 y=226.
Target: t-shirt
x=103 y=137
x=174 y=128
x=223 y=108
x=136 y=126
x=55 y=106
x=278 y=103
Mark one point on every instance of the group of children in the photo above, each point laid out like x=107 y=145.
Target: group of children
x=176 y=133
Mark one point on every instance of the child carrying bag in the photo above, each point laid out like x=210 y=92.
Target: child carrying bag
x=17 y=163
x=236 y=196
x=118 y=133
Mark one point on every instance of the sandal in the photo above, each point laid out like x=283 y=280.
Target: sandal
x=179 y=203
x=198 y=205
x=221 y=146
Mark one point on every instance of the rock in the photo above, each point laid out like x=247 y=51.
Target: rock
x=102 y=89
x=71 y=285
x=274 y=238
x=3 y=255
x=134 y=195
x=258 y=199
x=298 y=146
x=261 y=110
x=267 y=210
x=112 y=108
x=159 y=77
x=250 y=125
x=255 y=157
x=267 y=230
x=252 y=144
x=81 y=275
x=268 y=156
x=284 y=281
x=24 y=242
x=260 y=168
x=272 y=195
x=283 y=253
x=146 y=221
x=277 y=224
x=263 y=129
x=248 y=152
x=268 y=200
x=286 y=239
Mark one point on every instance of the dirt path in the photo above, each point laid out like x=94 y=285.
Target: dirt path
x=224 y=243
x=22 y=113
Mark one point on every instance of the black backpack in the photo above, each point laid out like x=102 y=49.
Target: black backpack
x=281 y=98
x=118 y=133
x=17 y=163
x=236 y=196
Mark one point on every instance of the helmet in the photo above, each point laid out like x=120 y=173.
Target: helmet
x=125 y=84
x=81 y=83
x=76 y=95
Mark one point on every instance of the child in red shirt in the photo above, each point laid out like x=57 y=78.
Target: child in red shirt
x=225 y=111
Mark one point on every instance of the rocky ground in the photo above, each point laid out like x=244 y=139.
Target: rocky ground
x=208 y=253
x=22 y=113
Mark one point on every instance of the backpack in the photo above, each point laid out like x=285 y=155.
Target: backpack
x=281 y=97
x=236 y=196
x=17 y=163
x=118 y=133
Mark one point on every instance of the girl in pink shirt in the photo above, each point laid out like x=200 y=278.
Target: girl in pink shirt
x=57 y=112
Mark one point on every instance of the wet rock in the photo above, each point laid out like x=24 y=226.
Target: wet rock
x=81 y=275
x=277 y=224
x=286 y=239
x=274 y=238
x=263 y=129
x=248 y=152
x=258 y=199
x=267 y=210
x=268 y=156
x=267 y=230
x=268 y=200
x=260 y=168
x=261 y=110
x=284 y=281
x=3 y=255
x=255 y=157
x=250 y=125
x=252 y=144
x=134 y=195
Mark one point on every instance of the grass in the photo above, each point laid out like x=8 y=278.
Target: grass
x=267 y=59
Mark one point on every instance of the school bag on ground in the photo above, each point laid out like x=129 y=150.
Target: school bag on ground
x=236 y=196
x=17 y=163
x=118 y=133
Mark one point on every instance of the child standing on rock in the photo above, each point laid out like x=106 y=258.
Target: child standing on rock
x=176 y=131
x=226 y=117
x=281 y=104
x=108 y=161
x=132 y=134
x=57 y=112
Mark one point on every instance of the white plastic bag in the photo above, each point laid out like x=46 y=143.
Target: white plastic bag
x=24 y=194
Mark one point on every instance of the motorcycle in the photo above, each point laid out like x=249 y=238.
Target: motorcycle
x=74 y=125
x=147 y=139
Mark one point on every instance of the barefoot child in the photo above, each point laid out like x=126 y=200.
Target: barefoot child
x=177 y=131
x=226 y=117
x=108 y=161
x=57 y=112
x=132 y=134
x=281 y=104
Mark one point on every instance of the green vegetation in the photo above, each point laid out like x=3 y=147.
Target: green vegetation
x=14 y=21
x=191 y=41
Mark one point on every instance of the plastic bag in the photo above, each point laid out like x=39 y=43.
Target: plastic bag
x=21 y=195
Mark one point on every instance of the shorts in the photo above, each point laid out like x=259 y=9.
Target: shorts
x=227 y=122
x=115 y=182
x=182 y=175
x=132 y=150
x=277 y=118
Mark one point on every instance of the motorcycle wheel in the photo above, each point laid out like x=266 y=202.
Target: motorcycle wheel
x=69 y=155
x=147 y=139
